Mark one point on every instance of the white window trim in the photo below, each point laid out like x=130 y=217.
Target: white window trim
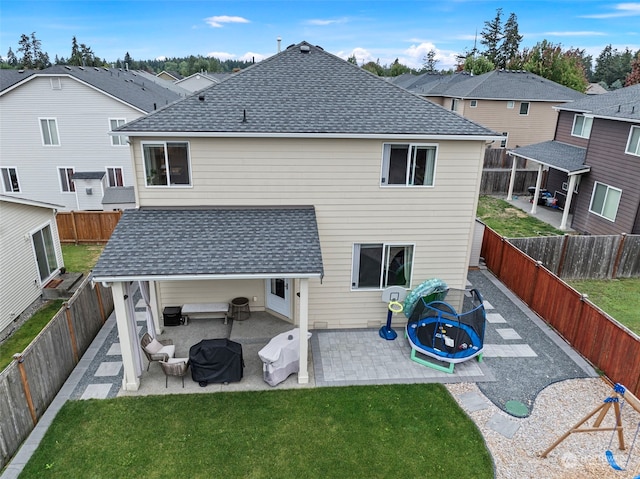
x=528 y=103
x=123 y=139
x=384 y=247
x=473 y=103
x=511 y=104
x=626 y=150
x=42 y=131
x=595 y=184
x=35 y=255
x=405 y=185
x=144 y=165
x=506 y=139
x=582 y=131
x=107 y=168
x=56 y=83
x=4 y=188
x=60 y=181
x=455 y=103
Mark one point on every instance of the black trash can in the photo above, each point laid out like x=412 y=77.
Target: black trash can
x=172 y=315
x=216 y=361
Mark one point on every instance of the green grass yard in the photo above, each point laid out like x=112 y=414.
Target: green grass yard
x=407 y=431
x=81 y=258
x=507 y=220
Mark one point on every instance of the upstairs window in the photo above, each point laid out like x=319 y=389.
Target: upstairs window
x=10 y=180
x=633 y=145
x=605 y=201
x=114 y=177
x=524 y=108
x=66 y=183
x=378 y=266
x=582 y=126
x=473 y=103
x=408 y=165
x=454 y=104
x=167 y=164
x=121 y=140
x=511 y=104
x=49 y=130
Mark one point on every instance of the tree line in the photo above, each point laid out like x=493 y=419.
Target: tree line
x=571 y=67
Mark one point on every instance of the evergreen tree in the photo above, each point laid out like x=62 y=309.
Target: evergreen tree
x=398 y=69
x=40 y=59
x=510 y=42
x=76 y=56
x=492 y=36
x=352 y=59
x=25 y=48
x=430 y=61
x=11 y=58
x=612 y=65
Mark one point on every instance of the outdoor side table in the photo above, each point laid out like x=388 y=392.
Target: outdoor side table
x=240 y=309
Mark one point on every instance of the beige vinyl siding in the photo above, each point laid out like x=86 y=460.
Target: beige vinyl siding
x=341 y=179
x=82 y=114
x=19 y=277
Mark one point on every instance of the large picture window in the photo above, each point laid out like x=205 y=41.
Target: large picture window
x=582 y=126
x=10 y=180
x=377 y=266
x=605 y=201
x=45 y=252
x=633 y=145
x=167 y=164
x=408 y=165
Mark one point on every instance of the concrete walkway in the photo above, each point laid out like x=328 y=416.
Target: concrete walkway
x=522 y=355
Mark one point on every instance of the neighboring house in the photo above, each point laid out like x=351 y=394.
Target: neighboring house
x=199 y=81
x=303 y=183
x=595 y=89
x=596 y=156
x=170 y=76
x=119 y=198
x=517 y=104
x=55 y=123
x=30 y=254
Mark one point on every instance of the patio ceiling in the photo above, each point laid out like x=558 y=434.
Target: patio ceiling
x=212 y=243
x=557 y=155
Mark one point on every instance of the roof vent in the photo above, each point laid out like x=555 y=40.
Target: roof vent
x=201 y=97
x=291 y=46
x=305 y=48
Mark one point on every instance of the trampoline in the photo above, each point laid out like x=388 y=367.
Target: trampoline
x=439 y=335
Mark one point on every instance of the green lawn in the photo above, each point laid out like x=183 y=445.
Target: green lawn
x=81 y=258
x=507 y=220
x=29 y=330
x=347 y=432
x=620 y=298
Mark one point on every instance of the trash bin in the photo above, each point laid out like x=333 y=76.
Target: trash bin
x=281 y=357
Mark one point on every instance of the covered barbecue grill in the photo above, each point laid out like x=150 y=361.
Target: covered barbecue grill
x=216 y=361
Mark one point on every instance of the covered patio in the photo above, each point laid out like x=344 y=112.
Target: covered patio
x=559 y=156
x=233 y=246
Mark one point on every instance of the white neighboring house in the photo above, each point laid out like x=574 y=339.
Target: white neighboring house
x=30 y=253
x=55 y=124
x=201 y=80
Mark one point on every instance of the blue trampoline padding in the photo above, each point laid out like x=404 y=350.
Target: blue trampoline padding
x=458 y=356
x=426 y=288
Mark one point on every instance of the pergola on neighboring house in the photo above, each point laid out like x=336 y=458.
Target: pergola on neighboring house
x=239 y=244
x=552 y=154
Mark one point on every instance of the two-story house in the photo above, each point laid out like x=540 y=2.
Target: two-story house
x=594 y=162
x=303 y=183
x=54 y=126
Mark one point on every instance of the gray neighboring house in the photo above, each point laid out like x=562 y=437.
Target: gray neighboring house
x=593 y=163
x=55 y=124
x=303 y=183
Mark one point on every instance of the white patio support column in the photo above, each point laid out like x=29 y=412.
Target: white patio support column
x=567 y=204
x=130 y=381
x=512 y=178
x=155 y=306
x=536 y=195
x=303 y=370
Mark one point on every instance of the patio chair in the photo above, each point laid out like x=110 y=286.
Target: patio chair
x=156 y=350
x=174 y=367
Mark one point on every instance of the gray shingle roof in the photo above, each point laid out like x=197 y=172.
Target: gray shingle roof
x=623 y=103
x=118 y=195
x=563 y=157
x=306 y=93
x=88 y=175
x=494 y=85
x=125 y=85
x=212 y=242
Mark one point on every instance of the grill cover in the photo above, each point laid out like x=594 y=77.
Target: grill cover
x=216 y=361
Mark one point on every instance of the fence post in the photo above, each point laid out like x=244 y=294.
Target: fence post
x=25 y=385
x=73 y=225
x=72 y=333
x=614 y=273
x=563 y=255
x=503 y=240
x=532 y=288
x=576 y=321
x=100 y=305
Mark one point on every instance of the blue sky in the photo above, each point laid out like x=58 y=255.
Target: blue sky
x=372 y=30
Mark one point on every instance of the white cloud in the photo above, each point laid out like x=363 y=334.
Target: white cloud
x=251 y=56
x=221 y=55
x=621 y=10
x=323 y=23
x=161 y=58
x=413 y=57
x=220 y=20
x=575 y=34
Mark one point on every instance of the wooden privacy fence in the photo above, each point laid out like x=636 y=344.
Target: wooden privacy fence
x=30 y=383
x=496 y=173
x=86 y=226
x=585 y=257
x=603 y=341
